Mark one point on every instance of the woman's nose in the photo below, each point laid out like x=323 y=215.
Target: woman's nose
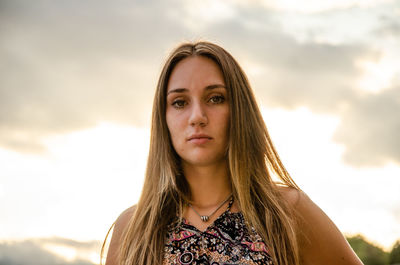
x=198 y=115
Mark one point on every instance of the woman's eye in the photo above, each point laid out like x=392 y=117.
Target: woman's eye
x=179 y=103
x=217 y=99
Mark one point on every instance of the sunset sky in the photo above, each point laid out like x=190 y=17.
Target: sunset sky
x=77 y=80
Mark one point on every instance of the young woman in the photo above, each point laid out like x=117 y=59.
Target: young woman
x=209 y=195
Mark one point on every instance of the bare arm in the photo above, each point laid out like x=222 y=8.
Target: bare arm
x=320 y=241
x=116 y=239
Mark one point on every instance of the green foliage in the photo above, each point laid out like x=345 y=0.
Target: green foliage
x=394 y=257
x=367 y=252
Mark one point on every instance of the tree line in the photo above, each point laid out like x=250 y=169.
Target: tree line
x=374 y=255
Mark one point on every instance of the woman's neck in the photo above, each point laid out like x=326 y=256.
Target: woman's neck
x=209 y=185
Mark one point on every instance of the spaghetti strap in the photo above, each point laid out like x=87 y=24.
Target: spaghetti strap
x=230 y=204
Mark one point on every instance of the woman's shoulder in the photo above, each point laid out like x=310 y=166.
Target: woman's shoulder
x=320 y=241
x=117 y=236
x=290 y=195
x=125 y=216
x=122 y=221
x=297 y=199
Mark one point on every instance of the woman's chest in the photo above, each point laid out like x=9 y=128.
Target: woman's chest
x=226 y=241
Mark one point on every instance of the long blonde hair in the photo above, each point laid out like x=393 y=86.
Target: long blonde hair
x=252 y=161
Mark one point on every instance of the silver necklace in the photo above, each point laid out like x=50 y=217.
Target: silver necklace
x=205 y=218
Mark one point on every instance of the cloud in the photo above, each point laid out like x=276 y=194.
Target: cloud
x=34 y=253
x=311 y=6
x=324 y=78
x=68 y=65
x=368 y=128
x=390 y=25
x=82 y=245
x=319 y=76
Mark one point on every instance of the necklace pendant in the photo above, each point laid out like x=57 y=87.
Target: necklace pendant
x=204 y=218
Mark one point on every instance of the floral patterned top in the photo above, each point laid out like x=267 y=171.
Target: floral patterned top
x=226 y=241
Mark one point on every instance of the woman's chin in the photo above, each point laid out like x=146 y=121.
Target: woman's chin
x=204 y=161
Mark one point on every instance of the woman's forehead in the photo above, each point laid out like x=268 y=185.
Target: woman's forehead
x=197 y=69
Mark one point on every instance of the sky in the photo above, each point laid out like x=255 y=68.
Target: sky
x=76 y=90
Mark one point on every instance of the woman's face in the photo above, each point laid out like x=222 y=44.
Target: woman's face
x=197 y=111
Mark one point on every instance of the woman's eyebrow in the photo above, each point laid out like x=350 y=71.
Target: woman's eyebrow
x=177 y=90
x=209 y=87
x=215 y=86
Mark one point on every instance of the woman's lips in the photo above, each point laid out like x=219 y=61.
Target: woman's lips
x=199 y=138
